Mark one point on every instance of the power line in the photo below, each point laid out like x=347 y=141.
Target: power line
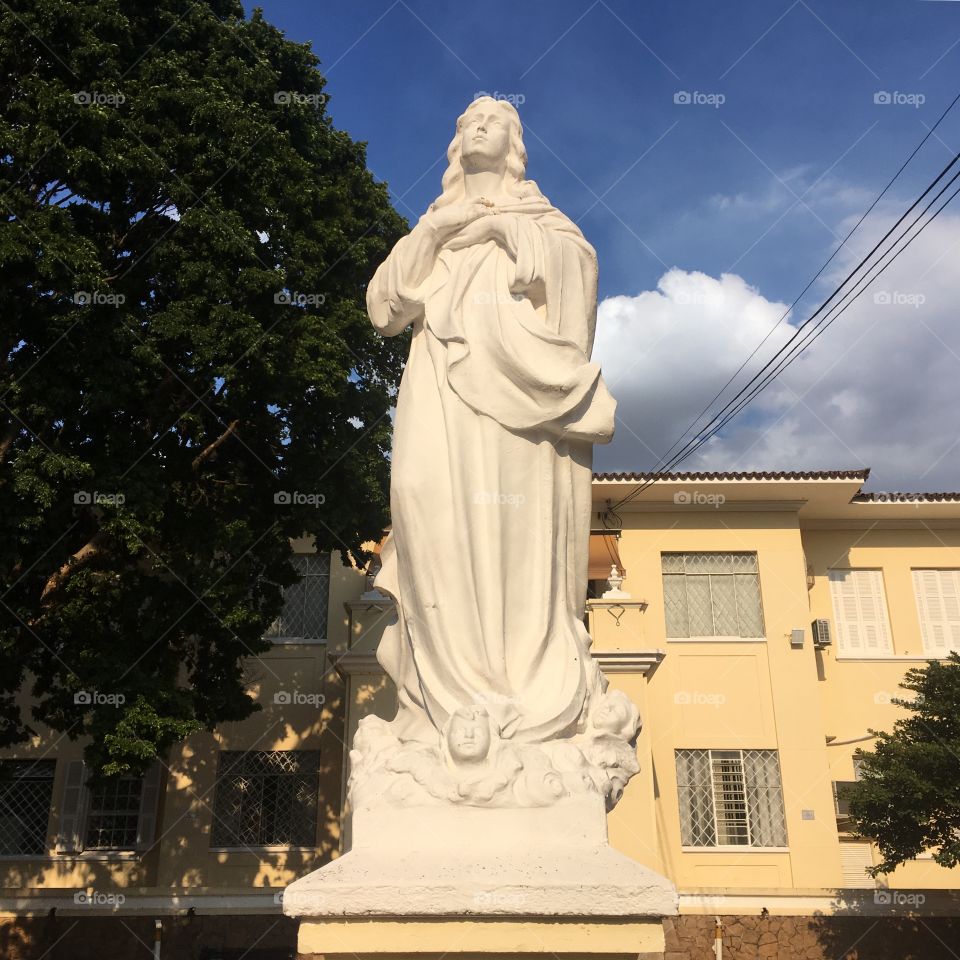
x=784 y=356
x=822 y=325
x=810 y=283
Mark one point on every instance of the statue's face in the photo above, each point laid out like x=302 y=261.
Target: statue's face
x=484 y=138
x=469 y=736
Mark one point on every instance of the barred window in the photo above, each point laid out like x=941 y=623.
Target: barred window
x=712 y=595
x=26 y=789
x=266 y=798
x=304 y=615
x=730 y=798
x=113 y=814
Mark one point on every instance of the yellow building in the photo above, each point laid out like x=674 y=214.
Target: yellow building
x=763 y=623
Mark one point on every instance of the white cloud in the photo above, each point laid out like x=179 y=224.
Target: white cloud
x=879 y=388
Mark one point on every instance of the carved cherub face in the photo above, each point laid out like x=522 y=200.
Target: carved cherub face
x=616 y=715
x=468 y=735
x=484 y=137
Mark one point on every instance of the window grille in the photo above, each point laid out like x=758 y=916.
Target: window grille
x=730 y=798
x=266 y=798
x=712 y=595
x=937 y=594
x=113 y=814
x=26 y=789
x=304 y=615
x=860 y=610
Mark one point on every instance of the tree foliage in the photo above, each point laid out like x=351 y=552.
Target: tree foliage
x=908 y=797
x=185 y=242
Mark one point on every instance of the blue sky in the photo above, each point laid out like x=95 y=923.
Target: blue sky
x=760 y=185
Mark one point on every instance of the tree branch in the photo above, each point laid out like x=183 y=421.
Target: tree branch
x=208 y=451
x=92 y=548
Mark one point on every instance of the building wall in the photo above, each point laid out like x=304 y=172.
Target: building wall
x=717 y=694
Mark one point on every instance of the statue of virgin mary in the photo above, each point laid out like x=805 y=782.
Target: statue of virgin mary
x=496 y=417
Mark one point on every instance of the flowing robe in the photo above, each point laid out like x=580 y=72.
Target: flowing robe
x=498 y=408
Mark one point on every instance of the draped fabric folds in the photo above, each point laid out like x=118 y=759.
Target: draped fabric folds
x=497 y=412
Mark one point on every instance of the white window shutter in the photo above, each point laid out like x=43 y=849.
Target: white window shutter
x=938 y=606
x=72 y=808
x=860 y=612
x=149 y=806
x=855 y=857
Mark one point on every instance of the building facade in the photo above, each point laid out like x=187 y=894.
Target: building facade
x=761 y=621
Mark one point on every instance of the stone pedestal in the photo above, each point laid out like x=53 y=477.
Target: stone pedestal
x=428 y=881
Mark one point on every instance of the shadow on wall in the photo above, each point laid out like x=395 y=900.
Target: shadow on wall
x=184 y=938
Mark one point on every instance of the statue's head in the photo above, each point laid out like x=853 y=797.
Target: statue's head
x=469 y=735
x=488 y=137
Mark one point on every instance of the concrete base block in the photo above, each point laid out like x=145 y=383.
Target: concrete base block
x=491 y=939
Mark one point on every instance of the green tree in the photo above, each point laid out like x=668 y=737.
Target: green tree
x=908 y=797
x=184 y=248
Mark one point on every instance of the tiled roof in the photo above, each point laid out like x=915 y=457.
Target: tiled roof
x=760 y=475
x=906 y=498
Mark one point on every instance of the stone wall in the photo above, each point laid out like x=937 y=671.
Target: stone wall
x=815 y=938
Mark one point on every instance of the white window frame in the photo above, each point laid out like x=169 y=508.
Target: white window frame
x=858 y=576
x=280 y=640
x=717 y=638
x=748 y=847
x=948 y=587
x=75 y=810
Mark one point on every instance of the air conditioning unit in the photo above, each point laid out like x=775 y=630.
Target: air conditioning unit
x=821 y=633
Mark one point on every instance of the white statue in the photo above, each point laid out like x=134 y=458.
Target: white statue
x=500 y=702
